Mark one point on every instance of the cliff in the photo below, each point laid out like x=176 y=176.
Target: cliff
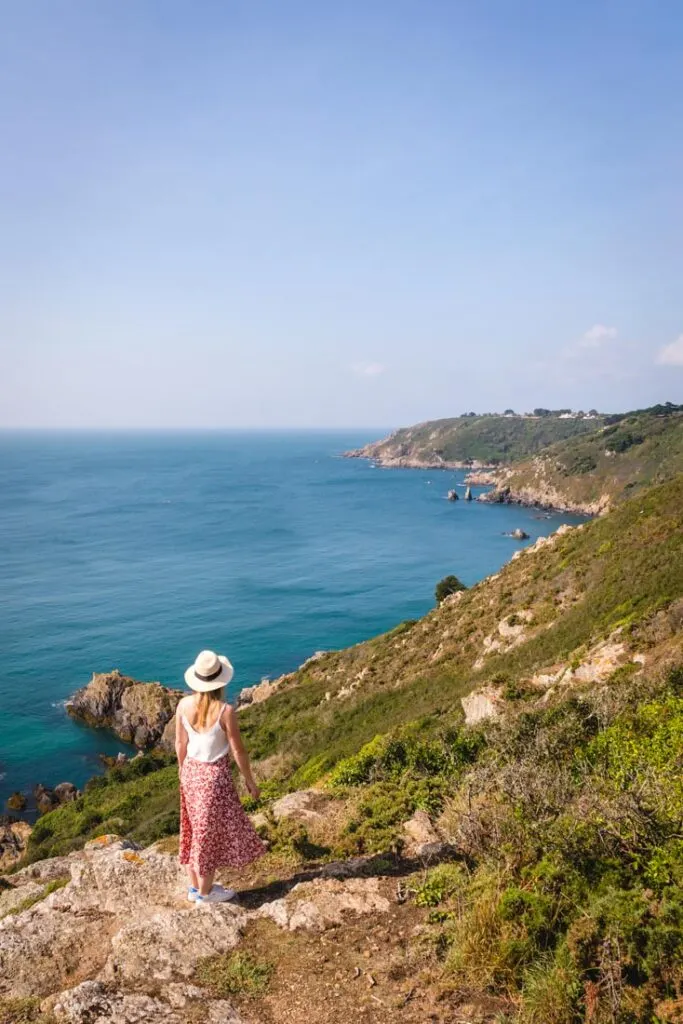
x=590 y=474
x=472 y=441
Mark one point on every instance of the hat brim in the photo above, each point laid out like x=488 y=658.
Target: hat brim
x=201 y=686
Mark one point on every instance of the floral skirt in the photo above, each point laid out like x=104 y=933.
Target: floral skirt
x=215 y=831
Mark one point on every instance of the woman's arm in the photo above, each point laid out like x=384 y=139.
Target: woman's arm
x=180 y=737
x=240 y=754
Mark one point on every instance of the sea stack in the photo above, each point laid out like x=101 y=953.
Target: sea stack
x=452 y=495
x=468 y=494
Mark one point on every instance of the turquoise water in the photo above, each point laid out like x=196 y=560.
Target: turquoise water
x=136 y=551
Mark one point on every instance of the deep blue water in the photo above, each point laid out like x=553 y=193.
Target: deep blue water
x=137 y=550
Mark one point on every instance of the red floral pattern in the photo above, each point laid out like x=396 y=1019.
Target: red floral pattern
x=215 y=831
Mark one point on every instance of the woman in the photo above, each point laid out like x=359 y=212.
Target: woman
x=214 y=829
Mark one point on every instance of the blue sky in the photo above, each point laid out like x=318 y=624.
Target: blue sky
x=289 y=213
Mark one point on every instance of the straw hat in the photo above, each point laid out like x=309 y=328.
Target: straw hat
x=209 y=672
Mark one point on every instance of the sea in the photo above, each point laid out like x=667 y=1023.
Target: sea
x=137 y=550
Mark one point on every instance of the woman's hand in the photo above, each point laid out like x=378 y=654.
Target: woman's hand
x=252 y=788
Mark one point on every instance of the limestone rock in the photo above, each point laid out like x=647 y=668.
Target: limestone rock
x=94 y=1002
x=45 y=870
x=481 y=704
x=168 y=944
x=322 y=903
x=304 y=805
x=13 y=839
x=452 y=495
x=260 y=692
x=16 y=802
x=137 y=712
x=423 y=840
x=13 y=897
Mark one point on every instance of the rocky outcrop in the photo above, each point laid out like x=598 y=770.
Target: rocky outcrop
x=468 y=494
x=260 y=692
x=16 y=802
x=13 y=838
x=323 y=903
x=267 y=687
x=423 y=841
x=482 y=478
x=139 y=713
x=94 y=1002
x=120 y=931
x=452 y=495
x=481 y=704
x=65 y=792
x=539 y=496
x=305 y=805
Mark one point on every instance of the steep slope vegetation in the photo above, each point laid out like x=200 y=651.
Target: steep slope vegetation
x=592 y=472
x=548 y=880
x=473 y=440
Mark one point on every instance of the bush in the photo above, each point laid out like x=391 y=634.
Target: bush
x=447 y=586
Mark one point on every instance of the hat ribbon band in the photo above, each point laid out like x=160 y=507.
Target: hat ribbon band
x=212 y=675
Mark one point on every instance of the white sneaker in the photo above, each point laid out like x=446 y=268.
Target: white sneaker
x=192 y=894
x=217 y=895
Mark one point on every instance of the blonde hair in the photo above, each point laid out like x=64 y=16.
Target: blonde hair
x=205 y=702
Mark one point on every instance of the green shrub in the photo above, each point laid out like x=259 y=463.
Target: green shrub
x=441 y=883
x=447 y=586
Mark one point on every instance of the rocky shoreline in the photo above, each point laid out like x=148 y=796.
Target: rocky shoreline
x=482 y=475
x=406 y=461
x=529 y=498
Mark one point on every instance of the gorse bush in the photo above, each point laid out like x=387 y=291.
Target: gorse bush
x=410 y=751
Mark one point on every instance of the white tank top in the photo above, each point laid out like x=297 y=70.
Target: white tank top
x=210 y=745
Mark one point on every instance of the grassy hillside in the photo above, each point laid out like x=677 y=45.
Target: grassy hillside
x=488 y=440
x=551 y=607
x=595 y=470
x=563 y=901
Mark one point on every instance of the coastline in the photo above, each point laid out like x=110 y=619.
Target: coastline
x=483 y=475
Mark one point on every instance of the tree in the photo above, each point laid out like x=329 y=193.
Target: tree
x=447 y=586
x=509 y=412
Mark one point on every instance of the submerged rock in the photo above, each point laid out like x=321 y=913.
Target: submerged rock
x=139 y=713
x=519 y=534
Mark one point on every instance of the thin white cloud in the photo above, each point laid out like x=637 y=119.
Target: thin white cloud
x=597 y=335
x=368 y=369
x=671 y=355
